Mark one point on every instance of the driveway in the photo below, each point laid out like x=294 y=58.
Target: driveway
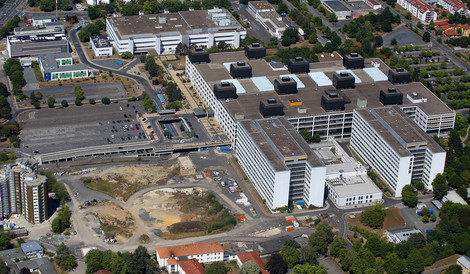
x=31 y=82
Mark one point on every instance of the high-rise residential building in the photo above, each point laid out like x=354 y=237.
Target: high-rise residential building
x=23 y=191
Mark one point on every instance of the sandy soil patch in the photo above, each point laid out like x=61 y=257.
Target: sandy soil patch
x=116 y=221
x=122 y=182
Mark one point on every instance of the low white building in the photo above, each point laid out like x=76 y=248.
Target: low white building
x=97 y=2
x=279 y=163
x=169 y=257
x=101 y=46
x=453 y=197
x=265 y=13
x=162 y=33
x=338 y=8
x=373 y=4
x=400 y=235
x=60 y=66
x=396 y=148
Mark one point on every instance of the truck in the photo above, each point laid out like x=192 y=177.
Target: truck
x=78 y=28
x=289 y=228
x=240 y=217
x=290 y=219
x=119 y=63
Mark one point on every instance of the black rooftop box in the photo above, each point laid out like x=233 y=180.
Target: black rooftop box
x=298 y=65
x=255 y=51
x=332 y=101
x=391 y=96
x=199 y=55
x=398 y=76
x=240 y=70
x=225 y=90
x=285 y=85
x=343 y=80
x=271 y=107
x=353 y=61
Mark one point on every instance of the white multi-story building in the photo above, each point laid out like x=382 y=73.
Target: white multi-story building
x=98 y=2
x=454 y=6
x=203 y=252
x=101 y=46
x=419 y=9
x=315 y=105
x=279 y=163
x=162 y=33
x=401 y=153
x=265 y=13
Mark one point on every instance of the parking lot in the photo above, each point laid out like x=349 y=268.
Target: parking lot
x=403 y=36
x=52 y=130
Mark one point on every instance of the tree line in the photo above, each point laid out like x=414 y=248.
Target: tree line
x=9 y=26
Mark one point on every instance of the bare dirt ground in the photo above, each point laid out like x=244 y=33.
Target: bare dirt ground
x=158 y=209
x=393 y=219
x=117 y=221
x=122 y=182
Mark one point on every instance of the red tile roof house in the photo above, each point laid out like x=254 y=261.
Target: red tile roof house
x=171 y=256
x=242 y=258
x=451 y=33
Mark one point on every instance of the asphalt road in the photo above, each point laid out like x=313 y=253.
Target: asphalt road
x=140 y=80
x=256 y=29
x=10 y=9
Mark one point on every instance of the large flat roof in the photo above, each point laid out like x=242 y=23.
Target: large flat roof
x=182 y=22
x=278 y=140
x=248 y=103
x=398 y=130
x=336 y=6
x=354 y=186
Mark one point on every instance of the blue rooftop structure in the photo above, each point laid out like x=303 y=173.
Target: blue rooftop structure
x=320 y=79
x=376 y=74
x=262 y=83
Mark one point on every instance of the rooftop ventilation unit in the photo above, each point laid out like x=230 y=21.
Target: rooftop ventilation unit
x=240 y=70
x=343 y=80
x=353 y=61
x=391 y=96
x=199 y=55
x=255 y=51
x=225 y=90
x=298 y=65
x=398 y=76
x=271 y=107
x=285 y=86
x=331 y=101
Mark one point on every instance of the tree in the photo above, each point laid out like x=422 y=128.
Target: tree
x=291 y=242
x=439 y=186
x=310 y=269
x=5 y=243
x=127 y=55
x=62 y=221
x=454 y=269
x=337 y=245
x=93 y=261
x=273 y=41
x=426 y=36
x=373 y=216
x=378 y=41
x=282 y=8
x=414 y=262
x=64 y=259
x=105 y=101
x=409 y=196
x=65 y=103
x=94 y=12
x=92 y=101
x=290 y=255
x=322 y=237
x=289 y=37
x=25 y=270
x=3 y=267
x=250 y=267
x=308 y=254
x=394 y=42
x=78 y=93
x=5 y=108
x=216 y=268
x=140 y=262
x=276 y=264
x=180 y=49
x=78 y=102
x=332 y=17
x=3 y=90
x=431 y=25
x=222 y=45
x=393 y=264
